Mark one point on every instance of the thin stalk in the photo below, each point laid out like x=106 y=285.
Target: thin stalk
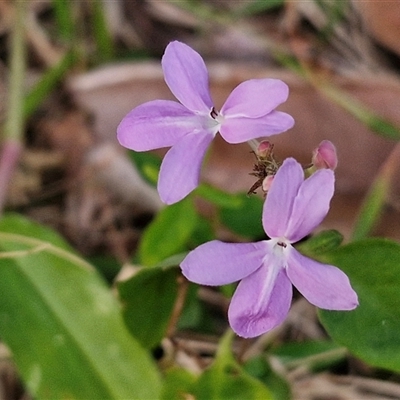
x=15 y=122
x=64 y=19
x=47 y=83
x=254 y=143
x=101 y=32
x=376 y=198
x=14 y=125
x=353 y=106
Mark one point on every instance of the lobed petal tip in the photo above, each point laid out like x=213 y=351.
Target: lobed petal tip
x=352 y=301
x=248 y=326
x=172 y=195
x=176 y=46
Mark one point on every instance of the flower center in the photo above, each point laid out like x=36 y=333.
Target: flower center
x=214 y=113
x=281 y=247
x=214 y=121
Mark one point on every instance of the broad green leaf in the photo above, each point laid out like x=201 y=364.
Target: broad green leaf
x=172 y=261
x=168 y=233
x=195 y=315
x=313 y=355
x=148 y=299
x=203 y=233
x=239 y=212
x=226 y=379
x=177 y=384
x=16 y=223
x=107 y=265
x=148 y=165
x=245 y=218
x=259 y=368
x=320 y=243
x=218 y=197
x=371 y=331
x=63 y=325
x=228 y=290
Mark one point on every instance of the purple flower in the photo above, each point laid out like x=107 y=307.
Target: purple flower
x=267 y=269
x=190 y=126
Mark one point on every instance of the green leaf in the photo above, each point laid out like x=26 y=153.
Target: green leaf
x=168 y=233
x=239 y=212
x=147 y=164
x=204 y=232
x=63 y=325
x=259 y=368
x=313 y=355
x=148 y=298
x=107 y=265
x=177 y=384
x=372 y=330
x=16 y=223
x=218 y=197
x=320 y=243
x=225 y=379
x=195 y=316
x=245 y=218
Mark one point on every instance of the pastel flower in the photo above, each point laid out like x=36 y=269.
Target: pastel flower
x=190 y=126
x=267 y=269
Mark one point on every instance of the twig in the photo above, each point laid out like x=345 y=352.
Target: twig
x=183 y=286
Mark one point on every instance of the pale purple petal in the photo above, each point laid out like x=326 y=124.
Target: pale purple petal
x=323 y=285
x=186 y=75
x=156 y=124
x=180 y=169
x=217 y=263
x=255 y=98
x=311 y=204
x=261 y=301
x=242 y=129
x=279 y=202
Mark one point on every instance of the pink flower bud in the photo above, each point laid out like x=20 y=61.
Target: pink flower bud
x=324 y=156
x=266 y=184
x=264 y=149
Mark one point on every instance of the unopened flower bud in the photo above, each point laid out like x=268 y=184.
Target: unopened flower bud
x=324 y=156
x=264 y=149
x=266 y=184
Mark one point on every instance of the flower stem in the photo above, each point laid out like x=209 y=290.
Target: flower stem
x=253 y=144
x=14 y=125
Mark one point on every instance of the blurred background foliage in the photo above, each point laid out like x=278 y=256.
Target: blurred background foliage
x=92 y=301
